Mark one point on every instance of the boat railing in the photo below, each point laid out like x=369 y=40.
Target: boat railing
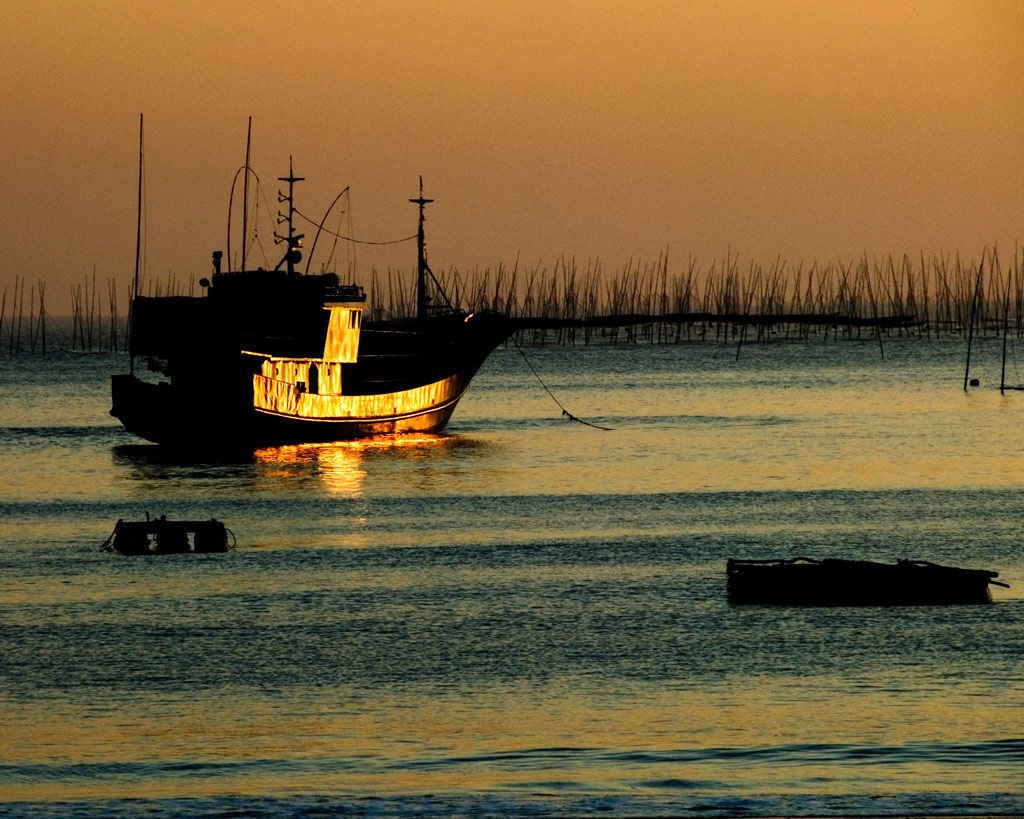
x=344 y=293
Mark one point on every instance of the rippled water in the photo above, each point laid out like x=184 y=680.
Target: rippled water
x=524 y=615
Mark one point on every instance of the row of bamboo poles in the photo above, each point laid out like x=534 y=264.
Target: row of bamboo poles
x=87 y=329
x=571 y=303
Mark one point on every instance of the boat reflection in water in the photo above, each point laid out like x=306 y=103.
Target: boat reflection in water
x=340 y=467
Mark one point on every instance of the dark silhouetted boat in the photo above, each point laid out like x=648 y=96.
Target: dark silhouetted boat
x=802 y=581
x=270 y=357
x=161 y=536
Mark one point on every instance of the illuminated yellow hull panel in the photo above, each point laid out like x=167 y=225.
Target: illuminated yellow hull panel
x=283 y=398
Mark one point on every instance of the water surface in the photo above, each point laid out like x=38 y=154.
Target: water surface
x=524 y=615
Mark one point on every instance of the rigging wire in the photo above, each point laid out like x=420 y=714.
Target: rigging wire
x=565 y=412
x=320 y=227
x=334 y=245
x=255 y=225
x=355 y=241
x=246 y=170
x=249 y=242
x=261 y=194
x=256 y=239
x=351 y=262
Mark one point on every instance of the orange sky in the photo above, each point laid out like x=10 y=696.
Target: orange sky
x=614 y=130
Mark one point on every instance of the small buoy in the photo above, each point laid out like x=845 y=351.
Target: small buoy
x=974 y=382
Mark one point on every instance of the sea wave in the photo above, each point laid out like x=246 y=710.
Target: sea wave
x=542 y=803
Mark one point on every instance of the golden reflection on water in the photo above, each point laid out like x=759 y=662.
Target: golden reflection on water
x=340 y=465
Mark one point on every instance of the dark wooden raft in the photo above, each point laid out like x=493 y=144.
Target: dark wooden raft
x=161 y=536
x=802 y=581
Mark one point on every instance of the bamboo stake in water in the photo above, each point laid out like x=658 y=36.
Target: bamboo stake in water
x=41 y=324
x=21 y=312
x=1006 y=332
x=32 y=320
x=970 y=325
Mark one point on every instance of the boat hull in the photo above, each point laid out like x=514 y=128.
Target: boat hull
x=252 y=411
x=156 y=413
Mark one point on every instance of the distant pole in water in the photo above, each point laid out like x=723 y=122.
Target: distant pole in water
x=1006 y=332
x=970 y=322
x=42 y=312
x=21 y=313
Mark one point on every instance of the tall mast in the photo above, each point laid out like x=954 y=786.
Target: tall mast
x=422 y=299
x=138 y=253
x=245 y=196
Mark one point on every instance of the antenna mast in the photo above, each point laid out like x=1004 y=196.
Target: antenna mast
x=422 y=269
x=292 y=255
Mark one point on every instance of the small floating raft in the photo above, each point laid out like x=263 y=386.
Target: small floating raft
x=802 y=581
x=161 y=536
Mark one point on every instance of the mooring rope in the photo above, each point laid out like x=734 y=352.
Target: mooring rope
x=108 y=543
x=565 y=412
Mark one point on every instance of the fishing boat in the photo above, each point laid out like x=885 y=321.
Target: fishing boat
x=161 y=536
x=802 y=581
x=269 y=357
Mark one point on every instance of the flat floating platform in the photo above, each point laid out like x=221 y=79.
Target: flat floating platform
x=161 y=536
x=802 y=581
